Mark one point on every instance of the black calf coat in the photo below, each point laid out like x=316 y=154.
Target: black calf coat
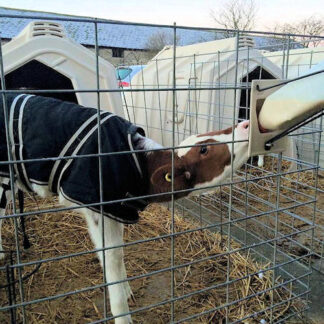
x=42 y=127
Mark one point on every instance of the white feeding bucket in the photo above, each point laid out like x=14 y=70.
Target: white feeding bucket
x=294 y=102
x=278 y=107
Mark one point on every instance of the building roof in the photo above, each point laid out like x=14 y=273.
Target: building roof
x=109 y=35
x=113 y=35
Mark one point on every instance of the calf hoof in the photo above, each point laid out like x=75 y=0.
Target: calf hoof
x=131 y=300
x=129 y=294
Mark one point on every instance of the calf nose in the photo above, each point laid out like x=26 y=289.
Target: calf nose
x=244 y=126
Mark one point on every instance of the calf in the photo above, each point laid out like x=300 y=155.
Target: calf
x=47 y=128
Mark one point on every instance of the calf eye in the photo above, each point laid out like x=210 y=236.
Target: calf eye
x=203 y=150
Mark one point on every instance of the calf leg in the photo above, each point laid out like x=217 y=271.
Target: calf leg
x=26 y=242
x=115 y=268
x=93 y=221
x=1 y=248
x=5 y=195
x=3 y=204
x=127 y=287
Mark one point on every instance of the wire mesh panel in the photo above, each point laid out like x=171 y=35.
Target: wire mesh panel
x=237 y=251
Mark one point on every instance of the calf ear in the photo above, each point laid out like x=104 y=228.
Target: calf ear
x=163 y=175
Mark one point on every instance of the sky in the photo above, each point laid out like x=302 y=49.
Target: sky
x=183 y=12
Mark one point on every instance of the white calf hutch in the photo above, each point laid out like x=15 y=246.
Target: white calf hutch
x=206 y=65
x=42 y=57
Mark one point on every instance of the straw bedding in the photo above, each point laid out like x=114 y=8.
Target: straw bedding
x=57 y=234
x=295 y=188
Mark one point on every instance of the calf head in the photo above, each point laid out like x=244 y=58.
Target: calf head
x=208 y=163
x=160 y=174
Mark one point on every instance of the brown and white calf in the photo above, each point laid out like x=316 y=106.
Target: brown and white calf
x=208 y=163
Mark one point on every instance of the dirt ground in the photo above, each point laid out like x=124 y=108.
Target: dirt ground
x=57 y=234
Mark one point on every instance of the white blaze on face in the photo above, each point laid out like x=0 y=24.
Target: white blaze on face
x=226 y=136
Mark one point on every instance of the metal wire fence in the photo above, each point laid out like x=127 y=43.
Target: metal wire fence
x=270 y=214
